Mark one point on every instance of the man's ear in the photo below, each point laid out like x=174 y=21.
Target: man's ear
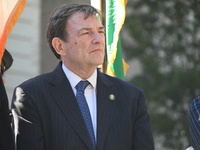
x=57 y=45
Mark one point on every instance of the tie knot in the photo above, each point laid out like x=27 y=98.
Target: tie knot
x=82 y=85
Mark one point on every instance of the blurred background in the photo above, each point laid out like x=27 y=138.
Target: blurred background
x=160 y=42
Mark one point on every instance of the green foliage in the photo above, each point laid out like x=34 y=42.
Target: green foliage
x=165 y=38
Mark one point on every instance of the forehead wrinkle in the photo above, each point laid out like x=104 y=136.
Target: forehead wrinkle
x=84 y=29
x=89 y=29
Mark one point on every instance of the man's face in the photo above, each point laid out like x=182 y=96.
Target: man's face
x=85 y=44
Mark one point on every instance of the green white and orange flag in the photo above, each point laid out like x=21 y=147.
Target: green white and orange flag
x=114 y=13
x=10 y=11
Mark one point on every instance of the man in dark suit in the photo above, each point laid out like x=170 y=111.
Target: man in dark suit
x=194 y=123
x=47 y=110
x=6 y=136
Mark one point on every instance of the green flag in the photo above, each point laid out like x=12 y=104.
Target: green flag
x=114 y=19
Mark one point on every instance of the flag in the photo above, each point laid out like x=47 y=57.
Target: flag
x=10 y=11
x=114 y=19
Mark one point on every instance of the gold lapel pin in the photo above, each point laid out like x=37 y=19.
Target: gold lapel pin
x=112 y=97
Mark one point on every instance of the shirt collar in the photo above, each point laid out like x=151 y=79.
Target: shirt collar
x=75 y=79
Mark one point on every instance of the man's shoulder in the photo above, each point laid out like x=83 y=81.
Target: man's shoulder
x=121 y=83
x=195 y=105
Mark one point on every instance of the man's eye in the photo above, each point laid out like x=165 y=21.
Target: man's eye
x=86 y=33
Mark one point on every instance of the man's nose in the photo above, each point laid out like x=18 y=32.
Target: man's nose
x=98 y=38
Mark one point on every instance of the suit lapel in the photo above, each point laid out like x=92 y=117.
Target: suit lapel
x=106 y=99
x=63 y=95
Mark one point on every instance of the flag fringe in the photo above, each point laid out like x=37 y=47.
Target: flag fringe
x=125 y=68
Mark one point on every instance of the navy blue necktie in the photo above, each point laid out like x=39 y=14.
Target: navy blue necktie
x=85 y=109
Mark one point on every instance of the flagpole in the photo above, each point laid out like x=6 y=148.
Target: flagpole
x=103 y=9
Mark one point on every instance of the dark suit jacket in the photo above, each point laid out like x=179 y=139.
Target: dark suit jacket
x=194 y=116
x=47 y=116
x=6 y=136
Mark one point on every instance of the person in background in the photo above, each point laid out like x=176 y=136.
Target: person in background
x=6 y=136
x=194 y=123
x=76 y=106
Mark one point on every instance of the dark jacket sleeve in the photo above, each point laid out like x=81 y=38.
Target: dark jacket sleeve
x=194 y=124
x=6 y=136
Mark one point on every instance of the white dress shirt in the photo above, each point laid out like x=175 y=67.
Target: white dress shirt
x=90 y=92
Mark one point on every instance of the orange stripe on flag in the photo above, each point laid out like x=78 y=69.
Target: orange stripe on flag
x=10 y=11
